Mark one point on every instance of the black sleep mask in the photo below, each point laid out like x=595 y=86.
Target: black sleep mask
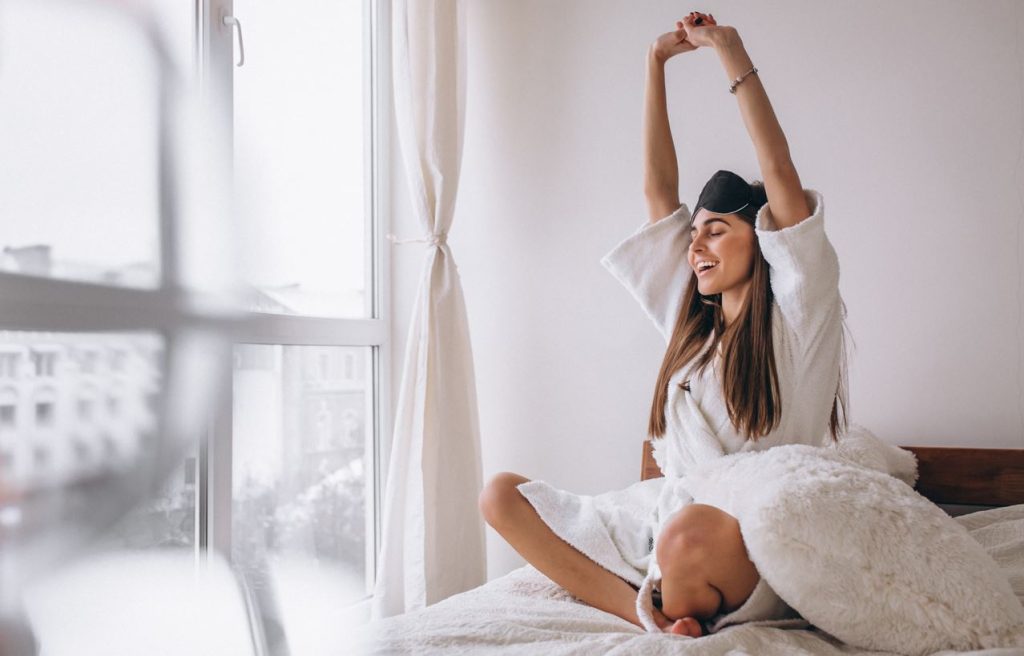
x=728 y=193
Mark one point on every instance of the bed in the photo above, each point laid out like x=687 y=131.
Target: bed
x=524 y=612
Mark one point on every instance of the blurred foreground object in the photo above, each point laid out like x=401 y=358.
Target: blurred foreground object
x=117 y=288
x=130 y=603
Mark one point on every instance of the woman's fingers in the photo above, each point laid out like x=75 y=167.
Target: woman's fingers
x=696 y=16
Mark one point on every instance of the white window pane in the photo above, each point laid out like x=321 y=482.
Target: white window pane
x=299 y=149
x=301 y=460
x=78 y=176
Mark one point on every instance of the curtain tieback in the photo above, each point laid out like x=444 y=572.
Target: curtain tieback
x=435 y=239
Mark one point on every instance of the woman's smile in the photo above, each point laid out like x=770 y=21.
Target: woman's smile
x=703 y=271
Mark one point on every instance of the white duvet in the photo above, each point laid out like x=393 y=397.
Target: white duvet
x=525 y=613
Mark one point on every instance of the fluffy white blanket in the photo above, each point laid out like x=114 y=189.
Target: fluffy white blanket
x=525 y=613
x=860 y=554
x=617 y=529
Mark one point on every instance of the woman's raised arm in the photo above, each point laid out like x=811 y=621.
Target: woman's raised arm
x=781 y=182
x=661 y=171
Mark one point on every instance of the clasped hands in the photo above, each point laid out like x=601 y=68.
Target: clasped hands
x=696 y=30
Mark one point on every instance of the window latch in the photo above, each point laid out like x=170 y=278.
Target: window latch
x=237 y=25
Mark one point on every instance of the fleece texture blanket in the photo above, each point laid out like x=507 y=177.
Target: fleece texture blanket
x=860 y=554
x=525 y=613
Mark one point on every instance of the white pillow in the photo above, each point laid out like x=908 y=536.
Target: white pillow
x=860 y=554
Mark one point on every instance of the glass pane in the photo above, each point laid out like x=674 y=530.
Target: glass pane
x=299 y=150
x=79 y=415
x=302 y=466
x=79 y=107
x=165 y=521
x=75 y=405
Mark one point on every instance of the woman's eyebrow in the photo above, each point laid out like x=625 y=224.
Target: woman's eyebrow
x=711 y=220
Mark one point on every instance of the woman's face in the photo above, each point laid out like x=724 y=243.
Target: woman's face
x=726 y=239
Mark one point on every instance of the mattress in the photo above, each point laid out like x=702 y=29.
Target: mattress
x=524 y=612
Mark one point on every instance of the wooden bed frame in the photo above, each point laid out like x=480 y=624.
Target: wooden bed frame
x=957 y=479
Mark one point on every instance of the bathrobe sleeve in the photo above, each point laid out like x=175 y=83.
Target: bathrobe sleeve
x=651 y=263
x=804 y=271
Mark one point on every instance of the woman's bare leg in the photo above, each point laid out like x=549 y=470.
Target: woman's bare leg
x=515 y=519
x=704 y=563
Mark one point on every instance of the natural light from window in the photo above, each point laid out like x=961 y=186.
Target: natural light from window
x=299 y=156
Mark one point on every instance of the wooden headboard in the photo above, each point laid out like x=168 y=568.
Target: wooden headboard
x=950 y=477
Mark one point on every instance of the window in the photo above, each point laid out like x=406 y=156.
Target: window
x=8 y=408
x=45 y=401
x=8 y=416
x=43 y=362
x=44 y=414
x=309 y=366
x=301 y=486
x=302 y=163
x=9 y=365
x=290 y=461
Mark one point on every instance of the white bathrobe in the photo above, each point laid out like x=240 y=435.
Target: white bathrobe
x=618 y=530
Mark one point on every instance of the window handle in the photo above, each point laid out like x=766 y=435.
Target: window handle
x=237 y=24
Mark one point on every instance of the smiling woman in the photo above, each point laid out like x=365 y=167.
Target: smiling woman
x=759 y=336
x=722 y=242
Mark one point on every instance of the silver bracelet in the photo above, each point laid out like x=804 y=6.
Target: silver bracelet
x=732 y=87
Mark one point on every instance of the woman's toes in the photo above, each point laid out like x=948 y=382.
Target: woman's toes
x=686 y=626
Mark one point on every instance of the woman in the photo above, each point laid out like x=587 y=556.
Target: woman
x=755 y=358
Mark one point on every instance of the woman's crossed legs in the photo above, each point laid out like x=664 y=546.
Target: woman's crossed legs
x=700 y=551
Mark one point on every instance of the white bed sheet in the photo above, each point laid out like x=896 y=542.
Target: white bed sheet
x=524 y=612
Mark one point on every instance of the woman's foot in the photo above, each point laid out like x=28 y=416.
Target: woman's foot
x=687 y=626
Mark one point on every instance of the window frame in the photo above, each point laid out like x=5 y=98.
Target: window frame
x=215 y=67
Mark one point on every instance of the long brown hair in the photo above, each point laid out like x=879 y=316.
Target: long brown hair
x=749 y=377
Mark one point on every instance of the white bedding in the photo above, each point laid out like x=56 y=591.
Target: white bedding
x=524 y=612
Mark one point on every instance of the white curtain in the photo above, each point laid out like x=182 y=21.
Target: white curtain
x=433 y=535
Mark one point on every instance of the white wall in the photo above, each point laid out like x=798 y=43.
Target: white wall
x=908 y=117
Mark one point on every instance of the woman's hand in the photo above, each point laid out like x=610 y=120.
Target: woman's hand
x=702 y=30
x=688 y=35
x=670 y=44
